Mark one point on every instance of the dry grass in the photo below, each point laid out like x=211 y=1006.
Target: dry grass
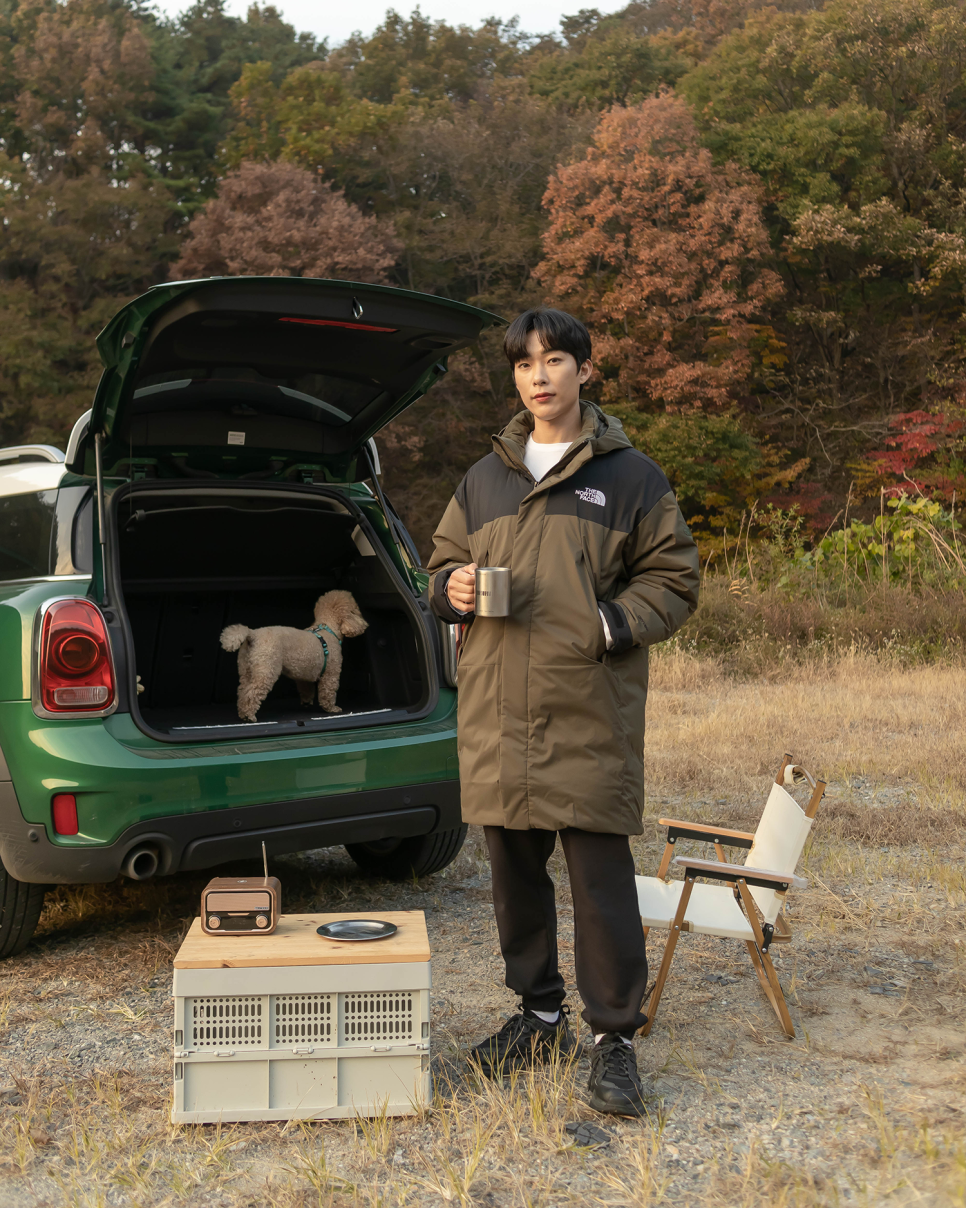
x=766 y=631
x=863 y=1108
x=856 y=720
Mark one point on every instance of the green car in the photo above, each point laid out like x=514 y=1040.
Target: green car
x=220 y=477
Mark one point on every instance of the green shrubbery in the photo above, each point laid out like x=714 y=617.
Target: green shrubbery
x=718 y=468
x=915 y=543
x=894 y=585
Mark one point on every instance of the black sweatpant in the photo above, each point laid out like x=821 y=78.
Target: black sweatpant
x=610 y=958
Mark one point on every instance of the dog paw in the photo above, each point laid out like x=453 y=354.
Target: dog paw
x=333 y=709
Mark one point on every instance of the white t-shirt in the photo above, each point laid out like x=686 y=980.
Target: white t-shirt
x=541 y=459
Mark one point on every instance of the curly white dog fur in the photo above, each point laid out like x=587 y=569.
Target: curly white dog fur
x=265 y=654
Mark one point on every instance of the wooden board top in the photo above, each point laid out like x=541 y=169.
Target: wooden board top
x=294 y=942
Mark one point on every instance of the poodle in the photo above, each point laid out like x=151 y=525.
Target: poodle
x=308 y=656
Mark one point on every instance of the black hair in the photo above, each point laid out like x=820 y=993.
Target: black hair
x=556 y=329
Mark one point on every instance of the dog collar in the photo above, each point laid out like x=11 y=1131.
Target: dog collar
x=325 y=649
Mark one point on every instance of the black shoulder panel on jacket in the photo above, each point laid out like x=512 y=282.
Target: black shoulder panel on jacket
x=489 y=490
x=615 y=489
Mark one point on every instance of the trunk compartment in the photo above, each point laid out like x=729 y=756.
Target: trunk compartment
x=190 y=560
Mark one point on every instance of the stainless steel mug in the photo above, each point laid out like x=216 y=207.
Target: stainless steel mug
x=492 y=591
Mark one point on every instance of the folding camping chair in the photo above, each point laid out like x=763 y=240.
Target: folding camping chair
x=748 y=906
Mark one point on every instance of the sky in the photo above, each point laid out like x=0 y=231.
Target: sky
x=336 y=22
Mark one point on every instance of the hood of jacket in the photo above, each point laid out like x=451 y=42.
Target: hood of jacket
x=599 y=433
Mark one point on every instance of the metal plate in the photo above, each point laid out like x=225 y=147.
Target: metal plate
x=356 y=930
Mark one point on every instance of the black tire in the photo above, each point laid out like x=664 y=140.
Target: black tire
x=20 y=907
x=403 y=859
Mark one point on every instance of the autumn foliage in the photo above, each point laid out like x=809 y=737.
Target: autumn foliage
x=664 y=253
x=278 y=220
x=924 y=452
x=759 y=208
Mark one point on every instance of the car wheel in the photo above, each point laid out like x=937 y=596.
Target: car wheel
x=20 y=906
x=402 y=859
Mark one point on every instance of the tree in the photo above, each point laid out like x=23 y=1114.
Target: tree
x=717 y=467
x=73 y=249
x=426 y=450
x=465 y=185
x=279 y=220
x=73 y=70
x=198 y=59
x=462 y=180
x=924 y=451
x=428 y=60
x=853 y=118
x=311 y=118
x=83 y=222
x=616 y=68
x=110 y=120
x=664 y=254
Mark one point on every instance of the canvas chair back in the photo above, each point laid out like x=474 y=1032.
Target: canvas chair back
x=779 y=840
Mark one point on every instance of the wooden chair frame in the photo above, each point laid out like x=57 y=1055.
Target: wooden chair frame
x=741 y=877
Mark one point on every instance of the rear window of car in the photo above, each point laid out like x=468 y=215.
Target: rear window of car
x=45 y=533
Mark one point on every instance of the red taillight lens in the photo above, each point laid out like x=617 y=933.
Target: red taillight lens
x=75 y=659
x=63 y=809
x=74 y=653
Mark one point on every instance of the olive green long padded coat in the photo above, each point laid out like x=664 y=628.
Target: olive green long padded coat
x=551 y=725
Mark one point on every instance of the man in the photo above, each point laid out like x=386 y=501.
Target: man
x=551 y=697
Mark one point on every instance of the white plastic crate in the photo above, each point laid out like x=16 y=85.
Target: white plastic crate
x=301 y=1041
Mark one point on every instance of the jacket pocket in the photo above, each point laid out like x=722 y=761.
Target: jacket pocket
x=479 y=705
x=601 y=635
x=576 y=733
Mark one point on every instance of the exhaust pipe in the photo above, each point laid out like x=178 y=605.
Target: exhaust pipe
x=141 y=863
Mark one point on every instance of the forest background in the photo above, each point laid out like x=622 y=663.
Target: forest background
x=760 y=212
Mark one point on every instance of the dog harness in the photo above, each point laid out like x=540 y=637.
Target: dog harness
x=325 y=649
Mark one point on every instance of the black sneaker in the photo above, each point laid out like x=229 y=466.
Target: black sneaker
x=525 y=1040
x=615 y=1086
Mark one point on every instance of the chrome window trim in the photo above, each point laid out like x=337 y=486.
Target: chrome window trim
x=38 y=708
x=49 y=579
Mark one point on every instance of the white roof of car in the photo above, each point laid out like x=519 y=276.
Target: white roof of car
x=27 y=468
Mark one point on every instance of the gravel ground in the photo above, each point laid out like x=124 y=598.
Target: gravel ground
x=864 y=1106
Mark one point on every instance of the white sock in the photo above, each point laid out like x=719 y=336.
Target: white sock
x=547 y=1016
x=600 y=1036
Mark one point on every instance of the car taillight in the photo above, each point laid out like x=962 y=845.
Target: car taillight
x=63 y=810
x=75 y=667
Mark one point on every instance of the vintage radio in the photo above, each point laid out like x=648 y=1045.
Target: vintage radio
x=241 y=905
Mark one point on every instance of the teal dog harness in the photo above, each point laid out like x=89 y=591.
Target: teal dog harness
x=325 y=649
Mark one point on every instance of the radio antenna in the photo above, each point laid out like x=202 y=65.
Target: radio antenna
x=265 y=859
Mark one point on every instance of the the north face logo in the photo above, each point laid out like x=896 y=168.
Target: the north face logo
x=590 y=495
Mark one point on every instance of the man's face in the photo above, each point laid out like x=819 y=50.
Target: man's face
x=549 y=381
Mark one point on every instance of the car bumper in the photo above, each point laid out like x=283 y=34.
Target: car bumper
x=203 y=804
x=189 y=842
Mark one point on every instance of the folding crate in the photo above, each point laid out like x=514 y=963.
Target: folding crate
x=292 y=1026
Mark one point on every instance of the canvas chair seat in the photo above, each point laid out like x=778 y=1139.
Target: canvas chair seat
x=711 y=909
x=745 y=901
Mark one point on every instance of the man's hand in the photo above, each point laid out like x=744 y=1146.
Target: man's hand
x=461 y=588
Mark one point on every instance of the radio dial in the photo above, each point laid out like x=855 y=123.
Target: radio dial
x=261 y=921
x=214 y=920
